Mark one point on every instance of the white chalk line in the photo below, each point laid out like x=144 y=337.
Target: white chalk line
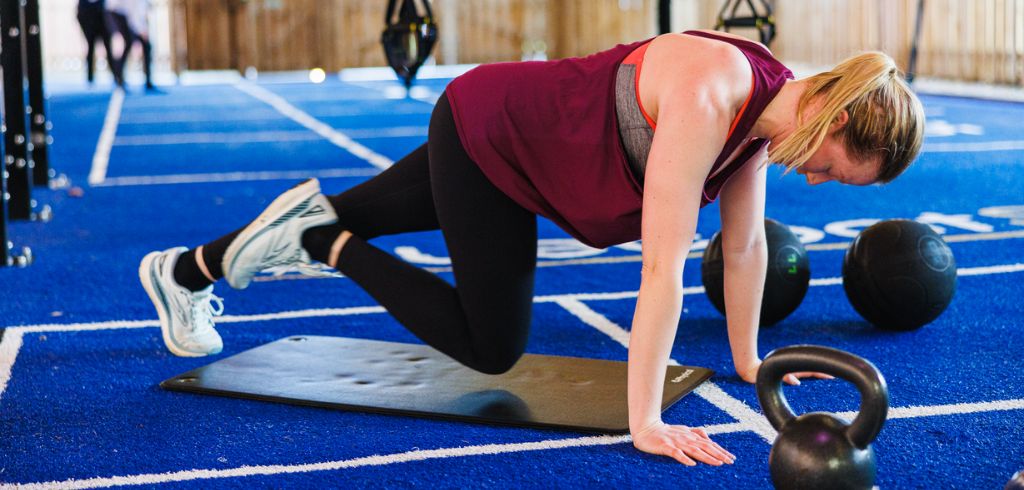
x=747 y=417
x=205 y=178
x=243 y=137
x=332 y=135
x=101 y=158
x=625 y=259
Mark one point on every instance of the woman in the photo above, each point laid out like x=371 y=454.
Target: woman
x=624 y=144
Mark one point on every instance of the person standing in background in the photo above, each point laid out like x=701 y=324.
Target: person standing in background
x=92 y=18
x=131 y=19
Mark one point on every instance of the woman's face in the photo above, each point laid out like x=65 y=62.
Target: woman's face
x=832 y=162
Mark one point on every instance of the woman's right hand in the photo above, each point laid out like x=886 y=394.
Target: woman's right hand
x=682 y=444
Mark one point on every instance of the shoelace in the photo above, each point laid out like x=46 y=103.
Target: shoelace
x=203 y=307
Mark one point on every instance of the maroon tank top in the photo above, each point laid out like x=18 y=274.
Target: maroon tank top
x=546 y=134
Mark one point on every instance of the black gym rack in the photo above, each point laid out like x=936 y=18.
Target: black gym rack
x=25 y=139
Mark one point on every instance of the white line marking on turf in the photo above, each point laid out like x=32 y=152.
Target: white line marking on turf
x=827 y=281
x=375 y=460
x=347 y=110
x=243 y=137
x=596 y=320
x=360 y=310
x=977 y=147
x=101 y=159
x=216 y=138
x=605 y=296
x=237 y=177
x=994 y=269
x=978 y=237
x=332 y=135
x=746 y=416
x=166 y=117
x=9 y=348
x=953 y=409
x=260 y=317
x=456 y=452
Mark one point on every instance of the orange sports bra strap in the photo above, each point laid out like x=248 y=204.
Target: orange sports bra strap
x=739 y=115
x=636 y=58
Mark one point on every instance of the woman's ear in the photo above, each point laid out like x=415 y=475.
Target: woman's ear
x=840 y=121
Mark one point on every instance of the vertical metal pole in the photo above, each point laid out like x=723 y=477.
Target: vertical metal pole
x=912 y=65
x=7 y=255
x=5 y=246
x=38 y=123
x=664 y=16
x=17 y=148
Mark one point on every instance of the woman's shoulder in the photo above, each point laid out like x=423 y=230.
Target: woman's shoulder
x=681 y=59
x=697 y=53
x=728 y=35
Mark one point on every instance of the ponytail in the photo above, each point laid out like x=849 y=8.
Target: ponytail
x=885 y=117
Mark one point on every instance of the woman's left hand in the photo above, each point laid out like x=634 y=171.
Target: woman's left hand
x=749 y=374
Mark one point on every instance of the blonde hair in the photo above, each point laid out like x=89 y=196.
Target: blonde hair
x=885 y=117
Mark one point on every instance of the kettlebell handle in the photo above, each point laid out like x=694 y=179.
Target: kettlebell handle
x=874 y=394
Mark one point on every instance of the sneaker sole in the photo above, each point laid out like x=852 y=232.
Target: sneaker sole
x=277 y=209
x=145 y=277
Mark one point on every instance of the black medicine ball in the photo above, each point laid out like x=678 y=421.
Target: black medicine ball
x=785 y=284
x=899 y=274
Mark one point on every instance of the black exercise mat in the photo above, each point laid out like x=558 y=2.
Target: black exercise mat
x=409 y=379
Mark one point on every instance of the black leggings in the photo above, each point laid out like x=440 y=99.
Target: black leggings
x=130 y=37
x=93 y=21
x=484 y=321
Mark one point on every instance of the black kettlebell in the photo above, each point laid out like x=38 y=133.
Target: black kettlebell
x=818 y=450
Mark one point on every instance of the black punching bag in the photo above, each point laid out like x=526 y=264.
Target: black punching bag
x=408 y=37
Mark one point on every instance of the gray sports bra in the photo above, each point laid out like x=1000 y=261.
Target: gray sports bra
x=635 y=133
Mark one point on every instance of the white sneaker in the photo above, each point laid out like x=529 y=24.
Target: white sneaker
x=186 y=317
x=274 y=238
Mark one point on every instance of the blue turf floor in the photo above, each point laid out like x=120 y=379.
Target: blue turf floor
x=81 y=358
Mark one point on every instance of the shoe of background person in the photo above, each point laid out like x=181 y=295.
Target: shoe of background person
x=186 y=317
x=274 y=239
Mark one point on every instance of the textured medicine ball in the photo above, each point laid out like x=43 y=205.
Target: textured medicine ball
x=787 y=278
x=899 y=274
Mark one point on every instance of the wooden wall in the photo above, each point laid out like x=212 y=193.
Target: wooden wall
x=978 y=40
